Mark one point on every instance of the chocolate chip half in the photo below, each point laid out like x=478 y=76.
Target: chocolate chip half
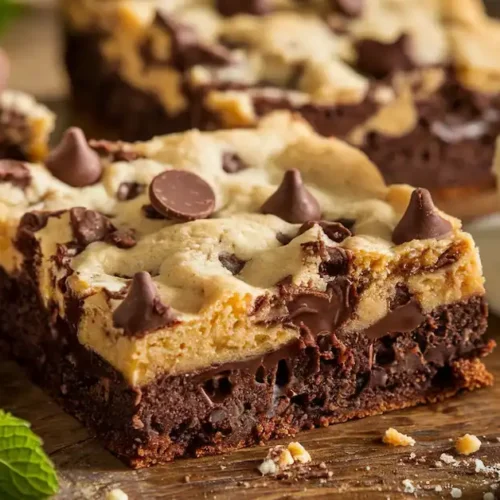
x=292 y=201
x=89 y=226
x=142 y=309
x=4 y=70
x=233 y=7
x=421 y=220
x=232 y=163
x=182 y=195
x=122 y=238
x=73 y=161
x=15 y=172
x=350 y=8
x=34 y=221
x=231 y=262
x=334 y=230
x=382 y=59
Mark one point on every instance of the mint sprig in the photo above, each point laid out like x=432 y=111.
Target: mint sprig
x=25 y=470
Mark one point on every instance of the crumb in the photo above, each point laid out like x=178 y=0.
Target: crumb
x=480 y=467
x=456 y=493
x=467 y=444
x=116 y=494
x=493 y=487
x=488 y=496
x=322 y=481
x=395 y=438
x=368 y=467
x=322 y=465
x=285 y=459
x=245 y=484
x=330 y=473
x=268 y=467
x=438 y=488
x=299 y=453
x=223 y=467
x=447 y=459
x=413 y=456
x=409 y=488
x=438 y=463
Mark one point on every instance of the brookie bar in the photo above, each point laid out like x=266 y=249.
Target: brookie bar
x=413 y=83
x=202 y=292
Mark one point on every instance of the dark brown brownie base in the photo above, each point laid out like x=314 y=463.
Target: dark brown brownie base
x=237 y=405
x=422 y=158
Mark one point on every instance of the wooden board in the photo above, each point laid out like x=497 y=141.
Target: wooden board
x=363 y=467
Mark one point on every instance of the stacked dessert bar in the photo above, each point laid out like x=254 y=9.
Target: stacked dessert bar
x=202 y=292
x=414 y=83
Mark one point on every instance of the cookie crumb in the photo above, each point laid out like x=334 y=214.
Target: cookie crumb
x=438 y=463
x=268 y=467
x=187 y=479
x=488 y=496
x=409 y=487
x=467 y=444
x=116 y=494
x=447 y=459
x=299 y=453
x=438 y=488
x=395 y=438
x=479 y=465
x=456 y=493
x=368 y=467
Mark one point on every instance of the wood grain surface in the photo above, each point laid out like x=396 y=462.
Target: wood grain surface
x=362 y=467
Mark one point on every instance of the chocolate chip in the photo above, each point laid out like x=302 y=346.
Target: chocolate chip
x=187 y=49
x=421 y=220
x=234 y=7
x=232 y=163
x=381 y=59
x=337 y=263
x=182 y=195
x=122 y=238
x=334 y=230
x=129 y=190
x=15 y=172
x=348 y=223
x=350 y=8
x=232 y=263
x=150 y=213
x=402 y=319
x=4 y=70
x=292 y=201
x=283 y=238
x=89 y=226
x=73 y=161
x=142 y=310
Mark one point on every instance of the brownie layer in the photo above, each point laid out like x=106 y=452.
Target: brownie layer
x=306 y=384
x=451 y=147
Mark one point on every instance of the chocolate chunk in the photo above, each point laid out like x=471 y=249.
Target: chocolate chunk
x=187 y=49
x=382 y=59
x=89 y=226
x=181 y=195
x=122 y=238
x=232 y=163
x=115 y=151
x=142 y=310
x=377 y=378
x=402 y=319
x=292 y=201
x=4 y=70
x=234 y=7
x=73 y=161
x=421 y=220
x=129 y=190
x=232 y=263
x=348 y=223
x=337 y=263
x=15 y=172
x=283 y=238
x=34 y=221
x=350 y=8
x=321 y=312
x=334 y=230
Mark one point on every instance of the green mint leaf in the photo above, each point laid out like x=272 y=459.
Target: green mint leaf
x=25 y=470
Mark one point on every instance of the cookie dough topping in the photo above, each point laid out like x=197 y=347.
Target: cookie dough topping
x=73 y=161
x=292 y=201
x=182 y=196
x=421 y=220
x=142 y=310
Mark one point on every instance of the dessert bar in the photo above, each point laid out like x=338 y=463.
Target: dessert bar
x=206 y=291
x=413 y=83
